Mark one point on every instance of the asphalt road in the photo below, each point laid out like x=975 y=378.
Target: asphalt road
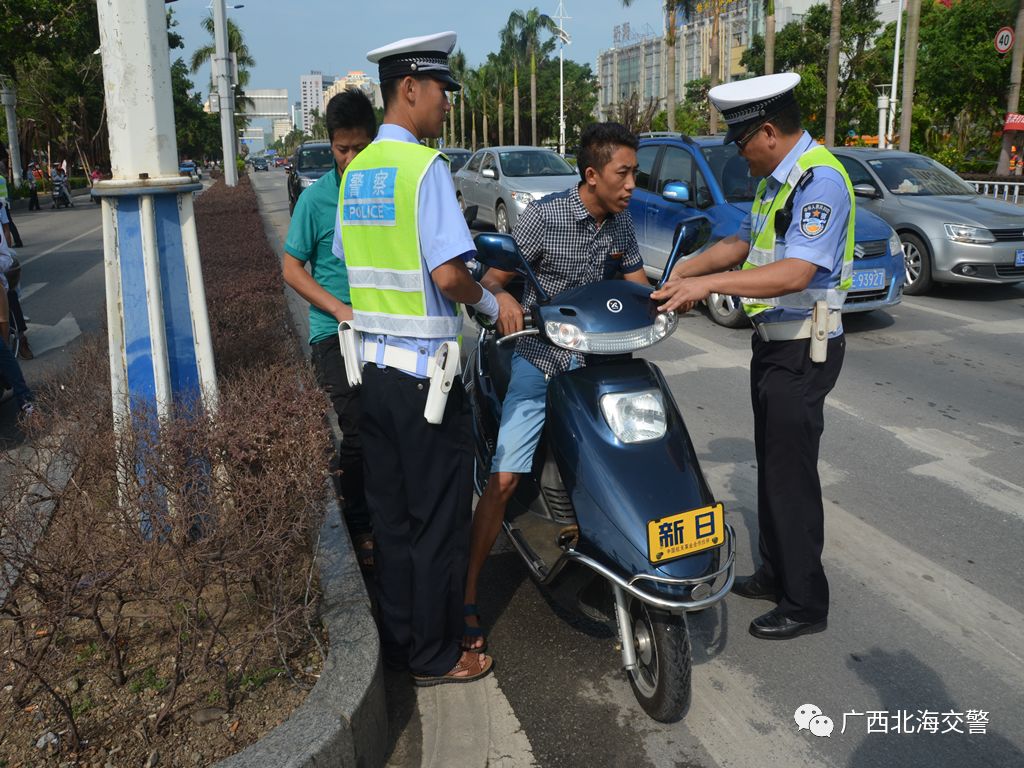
x=62 y=289
x=921 y=471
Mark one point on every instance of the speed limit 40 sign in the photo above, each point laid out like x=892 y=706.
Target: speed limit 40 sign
x=1004 y=40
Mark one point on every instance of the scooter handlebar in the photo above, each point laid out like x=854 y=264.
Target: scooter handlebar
x=529 y=328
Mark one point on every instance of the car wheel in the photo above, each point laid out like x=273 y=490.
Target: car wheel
x=501 y=219
x=918 y=263
x=727 y=311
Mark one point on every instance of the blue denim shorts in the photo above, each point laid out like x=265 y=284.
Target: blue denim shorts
x=522 y=418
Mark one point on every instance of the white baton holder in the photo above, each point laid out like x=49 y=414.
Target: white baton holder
x=446 y=368
x=348 y=338
x=819 y=332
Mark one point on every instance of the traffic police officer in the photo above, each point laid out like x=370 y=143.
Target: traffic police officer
x=405 y=244
x=796 y=248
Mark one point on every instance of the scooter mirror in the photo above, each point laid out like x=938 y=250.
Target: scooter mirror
x=691 y=235
x=499 y=251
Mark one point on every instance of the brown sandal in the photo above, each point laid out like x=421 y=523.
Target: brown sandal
x=364 y=551
x=470 y=667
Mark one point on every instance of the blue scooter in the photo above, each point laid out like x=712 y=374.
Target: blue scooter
x=616 y=487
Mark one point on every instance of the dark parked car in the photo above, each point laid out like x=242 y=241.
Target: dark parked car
x=260 y=164
x=311 y=161
x=721 y=188
x=457 y=157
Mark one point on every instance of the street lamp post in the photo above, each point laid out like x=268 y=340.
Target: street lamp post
x=563 y=40
x=158 y=329
x=222 y=70
x=9 y=97
x=891 y=131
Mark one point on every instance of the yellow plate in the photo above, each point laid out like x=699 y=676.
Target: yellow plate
x=685 y=533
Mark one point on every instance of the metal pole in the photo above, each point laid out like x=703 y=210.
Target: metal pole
x=883 y=107
x=9 y=95
x=563 y=38
x=895 y=72
x=222 y=67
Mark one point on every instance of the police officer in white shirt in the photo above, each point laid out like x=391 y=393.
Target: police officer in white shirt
x=796 y=252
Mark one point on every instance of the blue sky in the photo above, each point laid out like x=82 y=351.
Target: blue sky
x=288 y=39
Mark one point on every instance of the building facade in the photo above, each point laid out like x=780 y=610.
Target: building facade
x=356 y=80
x=311 y=96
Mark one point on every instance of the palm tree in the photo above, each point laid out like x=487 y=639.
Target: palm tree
x=672 y=10
x=769 y=37
x=530 y=25
x=910 y=71
x=457 y=64
x=498 y=65
x=243 y=60
x=512 y=50
x=832 y=75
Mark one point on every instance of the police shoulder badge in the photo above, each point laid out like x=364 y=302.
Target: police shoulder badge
x=814 y=218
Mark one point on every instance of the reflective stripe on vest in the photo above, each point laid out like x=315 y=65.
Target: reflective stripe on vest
x=379 y=205
x=766 y=249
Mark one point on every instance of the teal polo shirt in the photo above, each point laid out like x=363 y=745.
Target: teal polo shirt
x=310 y=236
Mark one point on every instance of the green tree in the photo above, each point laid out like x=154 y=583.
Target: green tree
x=457 y=64
x=580 y=100
x=530 y=25
x=512 y=50
x=243 y=60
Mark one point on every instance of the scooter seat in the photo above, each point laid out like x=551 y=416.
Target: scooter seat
x=499 y=364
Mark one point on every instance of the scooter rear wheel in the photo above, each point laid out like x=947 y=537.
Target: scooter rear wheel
x=661 y=680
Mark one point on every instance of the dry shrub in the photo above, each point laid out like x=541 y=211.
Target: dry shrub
x=181 y=549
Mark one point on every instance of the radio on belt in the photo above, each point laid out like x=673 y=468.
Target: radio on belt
x=348 y=337
x=446 y=368
x=819 y=332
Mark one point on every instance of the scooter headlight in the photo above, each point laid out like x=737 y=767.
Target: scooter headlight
x=569 y=336
x=635 y=417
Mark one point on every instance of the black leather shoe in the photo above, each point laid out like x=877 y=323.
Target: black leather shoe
x=775 y=626
x=754 y=587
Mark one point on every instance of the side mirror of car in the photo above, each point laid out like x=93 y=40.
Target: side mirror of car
x=676 y=192
x=489 y=173
x=691 y=235
x=501 y=252
x=865 y=190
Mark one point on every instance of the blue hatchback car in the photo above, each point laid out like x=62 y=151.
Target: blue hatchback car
x=721 y=188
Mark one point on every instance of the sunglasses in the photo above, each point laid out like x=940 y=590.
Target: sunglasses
x=741 y=144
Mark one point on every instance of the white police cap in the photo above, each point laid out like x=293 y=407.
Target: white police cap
x=425 y=55
x=746 y=103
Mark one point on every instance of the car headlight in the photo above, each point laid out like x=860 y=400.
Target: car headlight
x=962 y=233
x=895 y=244
x=521 y=197
x=569 y=336
x=305 y=182
x=635 y=417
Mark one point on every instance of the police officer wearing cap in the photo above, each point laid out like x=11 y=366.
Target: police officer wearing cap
x=796 y=252
x=405 y=243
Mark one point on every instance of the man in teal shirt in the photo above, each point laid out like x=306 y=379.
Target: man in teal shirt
x=351 y=125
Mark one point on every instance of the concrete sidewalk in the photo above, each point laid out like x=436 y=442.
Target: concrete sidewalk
x=449 y=726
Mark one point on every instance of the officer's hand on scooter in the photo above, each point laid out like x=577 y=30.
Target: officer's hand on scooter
x=510 y=314
x=680 y=294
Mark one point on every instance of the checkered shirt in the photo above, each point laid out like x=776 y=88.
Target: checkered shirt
x=566 y=249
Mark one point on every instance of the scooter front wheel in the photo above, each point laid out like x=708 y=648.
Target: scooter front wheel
x=661 y=680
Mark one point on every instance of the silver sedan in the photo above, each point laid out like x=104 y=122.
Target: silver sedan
x=950 y=233
x=502 y=181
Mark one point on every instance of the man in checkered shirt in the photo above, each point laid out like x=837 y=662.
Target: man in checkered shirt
x=572 y=238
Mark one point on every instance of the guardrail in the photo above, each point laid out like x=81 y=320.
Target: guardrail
x=1010 y=191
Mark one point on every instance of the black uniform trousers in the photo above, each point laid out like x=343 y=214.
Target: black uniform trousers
x=419 y=489
x=347 y=462
x=788 y=395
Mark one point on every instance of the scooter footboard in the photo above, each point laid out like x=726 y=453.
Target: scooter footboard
x=644 y=586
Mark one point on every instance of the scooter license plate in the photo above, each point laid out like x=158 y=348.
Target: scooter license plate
x=685 y=533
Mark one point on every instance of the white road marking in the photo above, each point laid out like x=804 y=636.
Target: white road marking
x=47 y=337
x=996 y=328
x=1005 y=429
x=934 y=311
x=27 y=290
x=48 y=251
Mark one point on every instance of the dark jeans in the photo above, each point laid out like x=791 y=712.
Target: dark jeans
x=788 y=395
x=10 y=374
x=33 y=200
x=347 y=463
x=419 y=487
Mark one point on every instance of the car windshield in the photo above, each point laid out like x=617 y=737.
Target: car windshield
x=918 y=175
x=315 y=158
x=540 y=163
x=732 y=173
x=459 y=159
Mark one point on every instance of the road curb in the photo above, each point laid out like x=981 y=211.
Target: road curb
x=343 y=721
